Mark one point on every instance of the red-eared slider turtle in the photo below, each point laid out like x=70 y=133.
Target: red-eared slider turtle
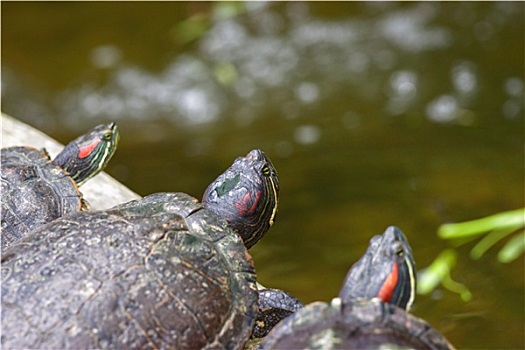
x=36 y=190
x=353 y=320
x=157 y=273
x=385 y=271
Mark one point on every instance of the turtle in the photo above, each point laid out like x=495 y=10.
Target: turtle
x=37 y=190
x=162 y=272
x=354 y=319
x=385 y=271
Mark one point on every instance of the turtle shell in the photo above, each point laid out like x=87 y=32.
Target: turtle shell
x=357 y=324
x=34 y=191
x=161 y=272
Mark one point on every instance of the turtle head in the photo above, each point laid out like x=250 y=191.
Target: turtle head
x=386 y=271
x=246 y=196
x=89 y=154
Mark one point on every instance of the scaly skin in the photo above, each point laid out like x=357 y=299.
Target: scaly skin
x=246 y=195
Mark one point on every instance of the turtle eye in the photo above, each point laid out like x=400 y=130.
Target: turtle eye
x=107 y=135
x=266 y=170
x=398 y=249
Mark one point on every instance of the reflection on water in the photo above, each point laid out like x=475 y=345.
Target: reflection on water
x=373 y=113
x=251 y=58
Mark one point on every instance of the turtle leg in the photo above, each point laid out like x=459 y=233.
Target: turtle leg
x=274 y=306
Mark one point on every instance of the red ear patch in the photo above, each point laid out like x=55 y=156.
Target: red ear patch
x=86 y=150
x=387 y=289
x=247 y=205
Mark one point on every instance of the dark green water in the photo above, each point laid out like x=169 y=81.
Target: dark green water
x=374 y=114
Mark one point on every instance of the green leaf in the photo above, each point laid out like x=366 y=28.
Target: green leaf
x=439 y=272
x=508 y=219
x=513 y=249
x=438 y=269
x=457 y=287
x=489 y=240
x=228 y=9
x=191 y=28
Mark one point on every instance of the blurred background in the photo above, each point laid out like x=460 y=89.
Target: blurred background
x=374 y=114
